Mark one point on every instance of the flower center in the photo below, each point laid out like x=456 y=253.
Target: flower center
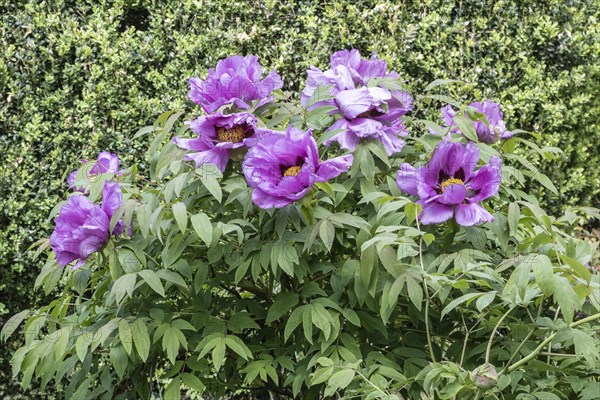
x=233 y=135
x=369 y=114
x=292 y=171
x=451 y=181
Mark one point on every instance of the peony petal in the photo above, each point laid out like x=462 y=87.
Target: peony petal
x=435 y=213
x=472 y=214
x=111 y=198
x=333 y=167
x=406 y=179
x=486 y=182
x=218 y=157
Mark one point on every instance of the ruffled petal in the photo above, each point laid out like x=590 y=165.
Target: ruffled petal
x=472 y=214
x=406 y=179
x=453 y=194
x=435 y=213
x=216 y=156
x=333 y=167
x=111 y=198
x=486 y=182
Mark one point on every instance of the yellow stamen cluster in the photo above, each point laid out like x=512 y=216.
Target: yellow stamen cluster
x=292 y=171
x=233 y=135
x=451 y=181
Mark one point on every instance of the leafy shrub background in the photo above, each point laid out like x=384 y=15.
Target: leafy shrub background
x=80 y=77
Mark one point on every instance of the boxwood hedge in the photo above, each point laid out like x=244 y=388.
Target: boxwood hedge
x=76 y=76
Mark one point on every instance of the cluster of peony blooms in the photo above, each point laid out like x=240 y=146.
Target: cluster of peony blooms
x=281 y=167
x=82 y=227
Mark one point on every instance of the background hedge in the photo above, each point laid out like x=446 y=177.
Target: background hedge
x=78 y=77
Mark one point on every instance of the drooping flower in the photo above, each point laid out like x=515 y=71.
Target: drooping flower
x=282 y=167
x=218 y=134
x=83 y=228
x=236 y=80
x=106 y=163
x=487 y=134
x=367 y=112
x=449 y=185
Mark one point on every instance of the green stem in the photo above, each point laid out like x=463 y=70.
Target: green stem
x=489 y=346
x=426 y=289
x=538 y=349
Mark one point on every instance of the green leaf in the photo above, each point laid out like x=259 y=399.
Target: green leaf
x=81 y=346
x=128 y=260
x=180 y=213
x=327 y=232
x=203 y=227
x=466 y=127
x=192 y=381
x=341 y=379
x=119 y=359
x=218 y=355
x=454 y=303
x=321 y=375
x=13 y=323
x=170 y=343
x=208 y=176
x=428 y=238
x=173 y=390
x=368 y=262
x=152 y=280
x=485 y=301
x=124 y=285
x=544 y=273
x=578 y=268
x=514 y=214
x=415 y=292
x=441 y=82
x=239 y=347
x=141 y=339
x=566 y=297
x=126 y=336
x=284 y=302
x=293 y=321
x=546 y=396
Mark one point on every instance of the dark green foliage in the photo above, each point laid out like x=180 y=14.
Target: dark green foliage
x=80 y=77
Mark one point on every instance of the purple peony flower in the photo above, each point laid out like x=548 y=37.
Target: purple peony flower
x=367 y=112
x=236 y=80
x=487 y=134
x=282 y=167
x=218 y=134
x=83 y=228
x=449 y=185
x=106 y=163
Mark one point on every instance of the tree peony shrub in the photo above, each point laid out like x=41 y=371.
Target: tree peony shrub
x=337 y=247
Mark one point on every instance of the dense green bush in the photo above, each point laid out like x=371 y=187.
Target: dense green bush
x=77 y=77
